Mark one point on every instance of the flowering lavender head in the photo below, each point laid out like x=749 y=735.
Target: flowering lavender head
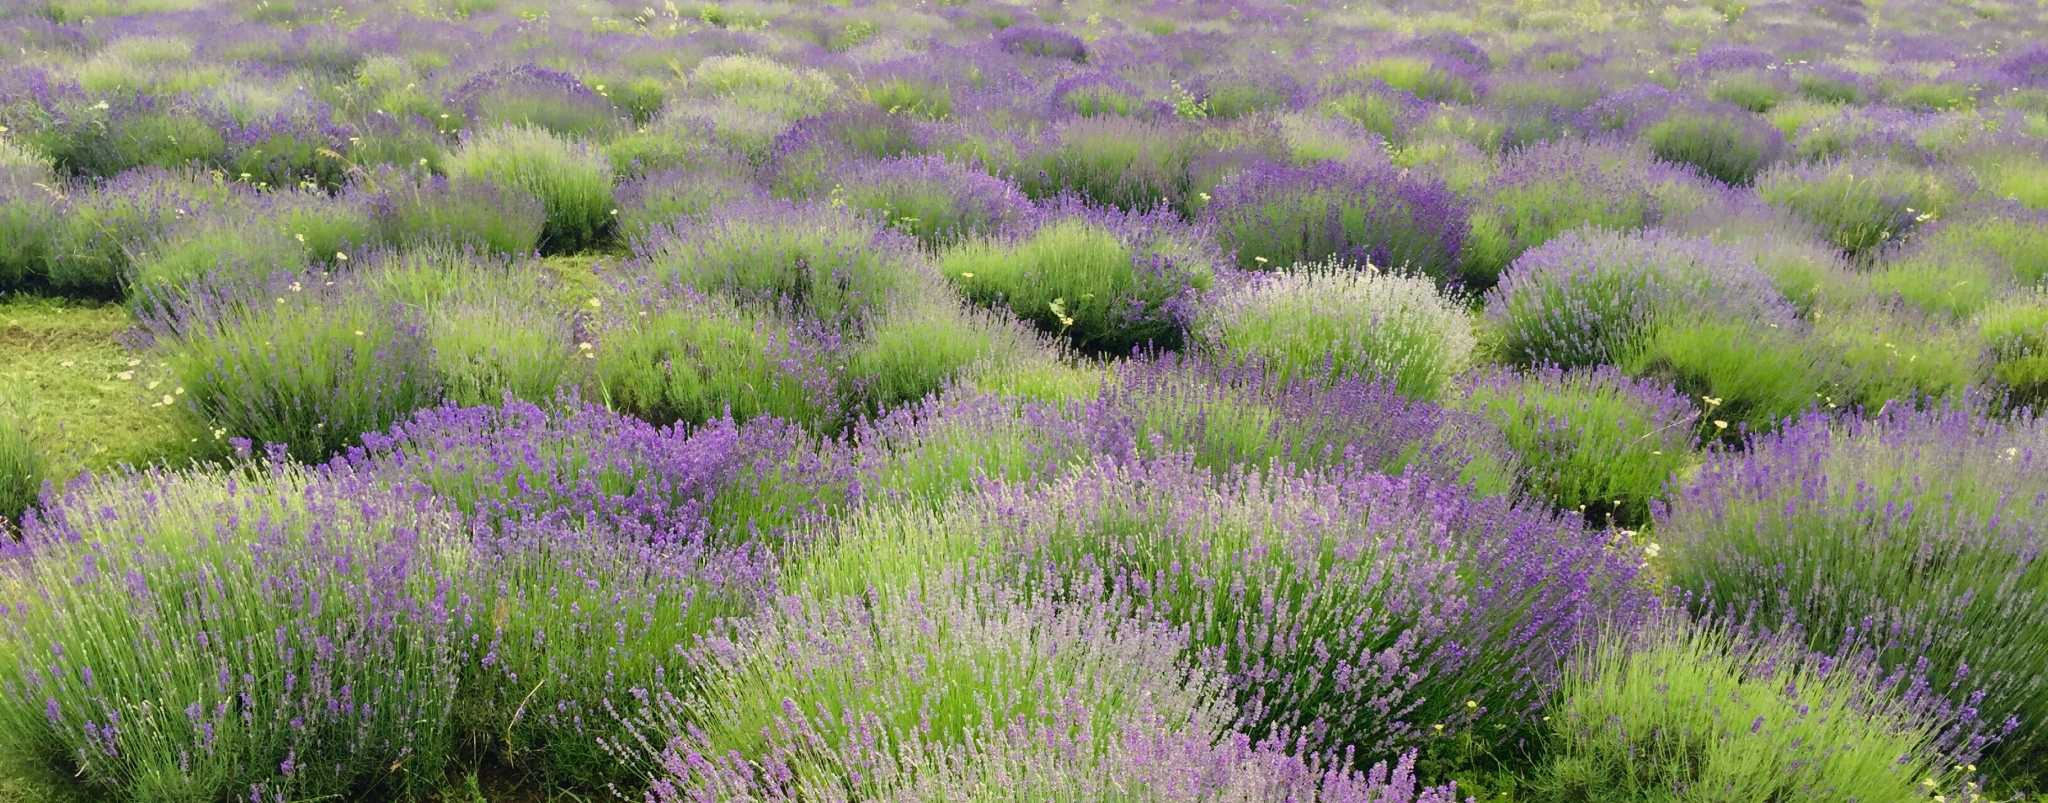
x=1273 y=216
x=1913 y=537
x=1589 y=296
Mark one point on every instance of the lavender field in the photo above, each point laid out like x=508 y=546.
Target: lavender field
x=1418 y=401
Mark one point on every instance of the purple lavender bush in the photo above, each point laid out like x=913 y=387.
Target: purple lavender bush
x=1273 y=216
x=260 y=636
x=1913 y=537
x=1590 y=296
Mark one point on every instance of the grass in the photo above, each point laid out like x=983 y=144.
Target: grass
x=92 y=402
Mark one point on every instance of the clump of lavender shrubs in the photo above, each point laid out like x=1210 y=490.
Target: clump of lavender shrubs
x=698 y=358
x=1591 y=296
x=1326 y=322
x=1105 y=280
x=1590 y=440
x=1913 y=538
x=313 y=371
x=931 y=198
x=1696 y=713
x=194 y=637
x=572 y=181
x=1859 y=204
x=964 y=688
x=1347 y=618
x=824 y=265
x=1545 y=190
x=1271 y=216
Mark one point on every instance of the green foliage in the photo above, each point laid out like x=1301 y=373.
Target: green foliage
x=1751 y=379
x=312 y=373
x=762 y=84
x=1113 y=162
x=1694 y=714
x=835 y=269
x=467 y=213
x=1590 y=441
x=1754 y=91
x=1859 y=205
x=1889 y=354
x=1335 y=321
x=708 y=359
x=912 y=352
x=2018 y=243
x=236 y=252
x=22 y=467
x=922 y=99
x=1954 y=283
x=1082 y=281
x=103 y=230
x=1717 y=144
x=163 y=588
x=572 y=181
x=1418 y=77
x=2014 y=335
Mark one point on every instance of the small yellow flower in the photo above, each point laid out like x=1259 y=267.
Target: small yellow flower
x=168 y=400
x=1471 y=704
x=1720 y=424
x=340 y=257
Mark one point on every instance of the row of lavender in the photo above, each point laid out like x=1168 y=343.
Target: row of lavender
x=975 y=402
x=982 y=595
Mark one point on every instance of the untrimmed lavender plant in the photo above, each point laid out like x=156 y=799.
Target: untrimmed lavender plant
x=824 y=265
x=931 y=198
x=1341 y=615
x=312 y=372
x=193 y=637
x=1239 y=418
x=702 y=358
x=572 y=181
x=21 y=466
x=916 y=349
x=1693 y=713
x=1590 y=296
x=1914 y=536
x=1860 y=204
x=1271 y=216
x=1590 y=440
x=1545 y=190
x=1107 y=281
x=1325 y=322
